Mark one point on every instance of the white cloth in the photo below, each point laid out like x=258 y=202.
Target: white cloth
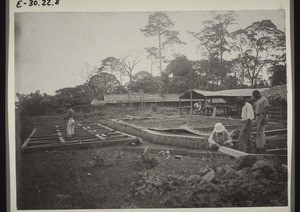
x=70 y=127
x=197 y=106
x=213 y=114
x=247 y=112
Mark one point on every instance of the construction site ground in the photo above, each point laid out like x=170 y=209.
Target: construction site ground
x=113 y=178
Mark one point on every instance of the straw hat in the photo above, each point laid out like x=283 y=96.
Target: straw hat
x=219 y=127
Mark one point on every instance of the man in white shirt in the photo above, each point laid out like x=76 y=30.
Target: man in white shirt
x=247 y=116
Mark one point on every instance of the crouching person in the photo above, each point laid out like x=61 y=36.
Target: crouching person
x=219 y=137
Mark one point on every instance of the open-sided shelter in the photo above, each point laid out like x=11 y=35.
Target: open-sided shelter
x=228 y=95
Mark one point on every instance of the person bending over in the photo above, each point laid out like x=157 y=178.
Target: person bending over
x=219 y=137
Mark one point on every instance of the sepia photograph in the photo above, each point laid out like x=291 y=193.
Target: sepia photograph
x=151 y=109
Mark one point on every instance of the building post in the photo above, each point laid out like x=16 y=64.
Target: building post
x=191 y=96
x=180 y=106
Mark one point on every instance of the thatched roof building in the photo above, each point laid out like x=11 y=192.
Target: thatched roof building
x=277 y=93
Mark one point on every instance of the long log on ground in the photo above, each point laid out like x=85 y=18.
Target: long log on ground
x=236 y=153
x=232 y=152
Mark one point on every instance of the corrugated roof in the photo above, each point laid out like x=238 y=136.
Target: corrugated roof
x=220 y=94
x=123 y=98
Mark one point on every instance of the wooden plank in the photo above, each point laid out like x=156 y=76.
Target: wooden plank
x=61 y=137
x=90 y=124
x=30 y=144
x=232 y=152
x=45 y=130
x=113 y=134
x=83 y=144
x=29 y=137
x=42 y=139
x=45 y=133
x=117 y=137
x=32 y=133
x=80 y=137
x=99 y=136
x=103 y=130
x=282 y=151
x=273 y=132
x=277 y=142
x=44 y=136
x=43 y=146
x=90 y=137
x=89 y=140
x=118 y=131
x=91 y=131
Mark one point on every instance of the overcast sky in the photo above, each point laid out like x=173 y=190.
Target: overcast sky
x=51 y=49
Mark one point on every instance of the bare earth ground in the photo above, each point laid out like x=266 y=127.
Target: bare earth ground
x=111 y=178
x=71 y=179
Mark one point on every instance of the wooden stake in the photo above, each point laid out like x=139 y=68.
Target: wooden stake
x=180 y=112
x=191 y=96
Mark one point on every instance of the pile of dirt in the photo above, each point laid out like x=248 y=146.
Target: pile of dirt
x=145 y=161
x=250 y=181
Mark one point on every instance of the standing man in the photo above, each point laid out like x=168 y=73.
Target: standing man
x=261 y=112
x=247 y=115
x=70 y=119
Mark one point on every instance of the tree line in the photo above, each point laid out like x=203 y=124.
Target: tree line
x=230 y=60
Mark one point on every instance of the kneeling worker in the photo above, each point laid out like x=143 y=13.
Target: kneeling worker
x=219 y=137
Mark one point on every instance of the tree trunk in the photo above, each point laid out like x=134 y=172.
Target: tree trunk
x=221 y=61
x=159 y=53
x=121 y=79
x=151 y=65
x=252 y=83
x=130 y=78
